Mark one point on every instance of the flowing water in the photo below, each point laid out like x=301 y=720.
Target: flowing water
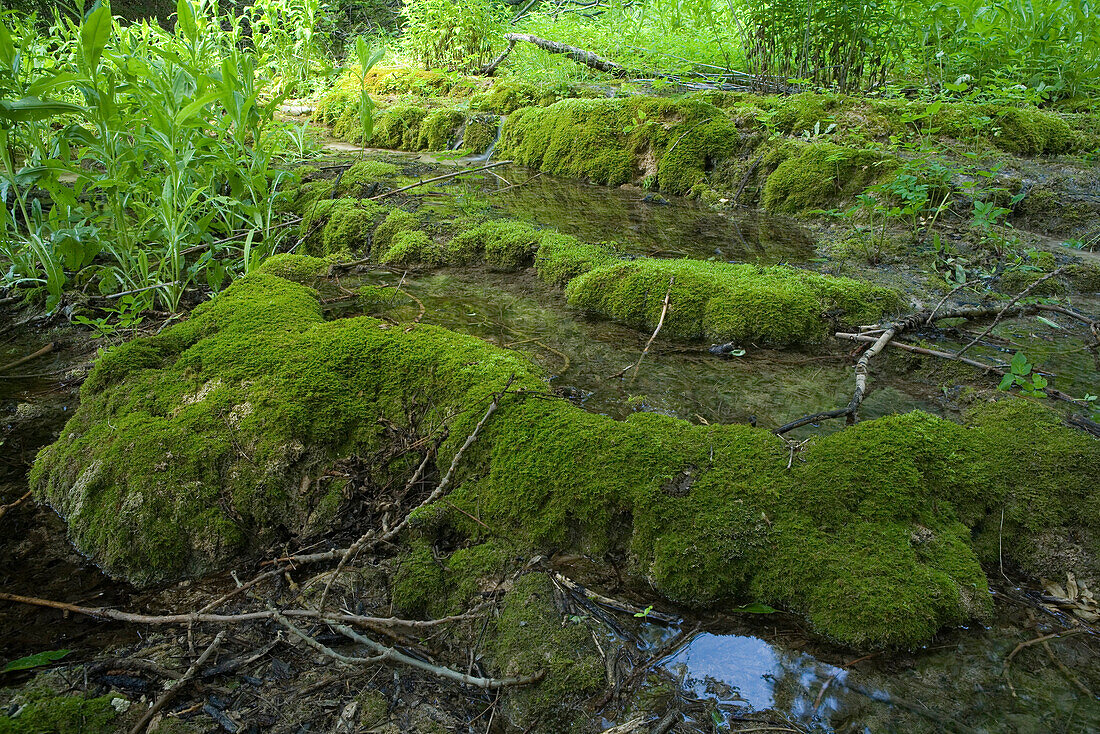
x=734 y=665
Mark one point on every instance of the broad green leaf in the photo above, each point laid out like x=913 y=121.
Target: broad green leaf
x=35 y=661
x=755 y=608
x=1006 y=382
x=185 y=16
x=1019 y=364
x=31 y=109
x=95 y=32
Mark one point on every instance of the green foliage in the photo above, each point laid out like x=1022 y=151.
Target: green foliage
x=1022 y=375
x=34 y=661
x=452 y=34
x=286 y=35
x=165 y=173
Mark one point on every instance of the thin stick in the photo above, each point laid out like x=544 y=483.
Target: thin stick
x=439 y=178
x=169 y=694
x=12 y=505
x=392 y=655
x=932 y=313
x=23 y=360
x=1007 y=306
x=660 y=323
x=198 y=618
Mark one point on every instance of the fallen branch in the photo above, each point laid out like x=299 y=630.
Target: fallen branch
x=660 y=323
x=1010 y=304
x=23 y=360
x=439 y=178
x=4 y=509
x=178 y=685
x=392 y=655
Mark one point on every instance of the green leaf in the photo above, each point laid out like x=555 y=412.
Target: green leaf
x=1019 y=364
x=185 y=16
x=32 y=109
x=755 y=608
x=1007 y=382
x=94 y=34
x=35 y=661
x=1048 y=322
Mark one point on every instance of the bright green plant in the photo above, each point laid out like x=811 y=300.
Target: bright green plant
x=1022 y=374
x=452 y=34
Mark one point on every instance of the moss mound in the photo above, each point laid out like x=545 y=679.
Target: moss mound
x=43 y=711
x=205 y=441
x=724 y=302
x=821 y=174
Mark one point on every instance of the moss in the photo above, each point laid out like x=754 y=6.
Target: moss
x=819 y=176
x=505 y=97
x=1015 y=281
x=502 y=243
x=440 y=129
x=411 y=248
x=373 y=708
x=191 y=447
x=1084 y=277
x=194 y=446
x=362 y=174
x=480 y=133
x=398 y=128
x=468 y=568
x=335 y=226
x=724 y=302
x=560 y=258
x=296 y=268
x=398 y=220
x=41 y=711
x=1028 y=131
x=532 y=637
x=419 y=588
x=615 y=141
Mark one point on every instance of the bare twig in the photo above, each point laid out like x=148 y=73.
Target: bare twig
x=440 y=178
x=176 y=687
x=660 y=323
x=4 y=509
x=23 y=360
x=1007 y=306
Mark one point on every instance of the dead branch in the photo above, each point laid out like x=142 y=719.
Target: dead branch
x=23 y=360
x=1051 y=392
x=445 y=177
x=116 y=615
x=178 y=685
x=660 y=323
x=1010 y=304
x=4 y=509
x=392 y=655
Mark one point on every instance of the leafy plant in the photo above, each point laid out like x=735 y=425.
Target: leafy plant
x=34 y=661
x=448 y=34
x=1022 y=375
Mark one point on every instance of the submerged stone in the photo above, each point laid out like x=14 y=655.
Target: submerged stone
x=210 y=440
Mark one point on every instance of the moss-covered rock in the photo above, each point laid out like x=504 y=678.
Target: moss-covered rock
x=503 y=243
x=419 y=585
x=530 y=637
x=398 y=127
x=724 y=302
x=820 y=175
x=301 y=269
x=480 y=133
x=339 y=226
x=440 y=129
x=412 y=248
x=363 y=174
x=39 y=710
x=199 y=444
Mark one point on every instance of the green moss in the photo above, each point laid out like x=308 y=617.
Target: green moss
x=532 y=637
x=1015 y=281
x=1084 y=277
x=398 y=128
x=196 y=445
x=363 y=174
x=723 y=302
x=480 y=132
x=502 y=243
x=615 y=141
x=191 y=447
x=398 y=220
x=419 y=587
x=412 y=248
x=301 y=269
x=560 y=258
x=339 y=226
x=373 y=708
x=440 y=129
x=820 y=175
x=468 y=568
x=505 y=97
x=44 y=712
x=1028 y=131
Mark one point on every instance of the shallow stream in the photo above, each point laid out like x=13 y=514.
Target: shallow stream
x=733 y=665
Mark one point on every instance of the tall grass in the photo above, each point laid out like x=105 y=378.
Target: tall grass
x=136 y=159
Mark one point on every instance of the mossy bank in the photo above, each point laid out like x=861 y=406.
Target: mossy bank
x=211 y=440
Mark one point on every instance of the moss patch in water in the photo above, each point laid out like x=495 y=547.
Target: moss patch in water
x=302 y=269
x=199 y=444
x=502 y=243
x=560 y=257
x=723 y=302
x=398 y=220
x=398 y=127
x=363 y=174
x=339 y=226
x=413 y=248
x=440 y=129
x=480 y=132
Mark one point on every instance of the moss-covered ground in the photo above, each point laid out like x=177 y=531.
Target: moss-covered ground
x=210 y=439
